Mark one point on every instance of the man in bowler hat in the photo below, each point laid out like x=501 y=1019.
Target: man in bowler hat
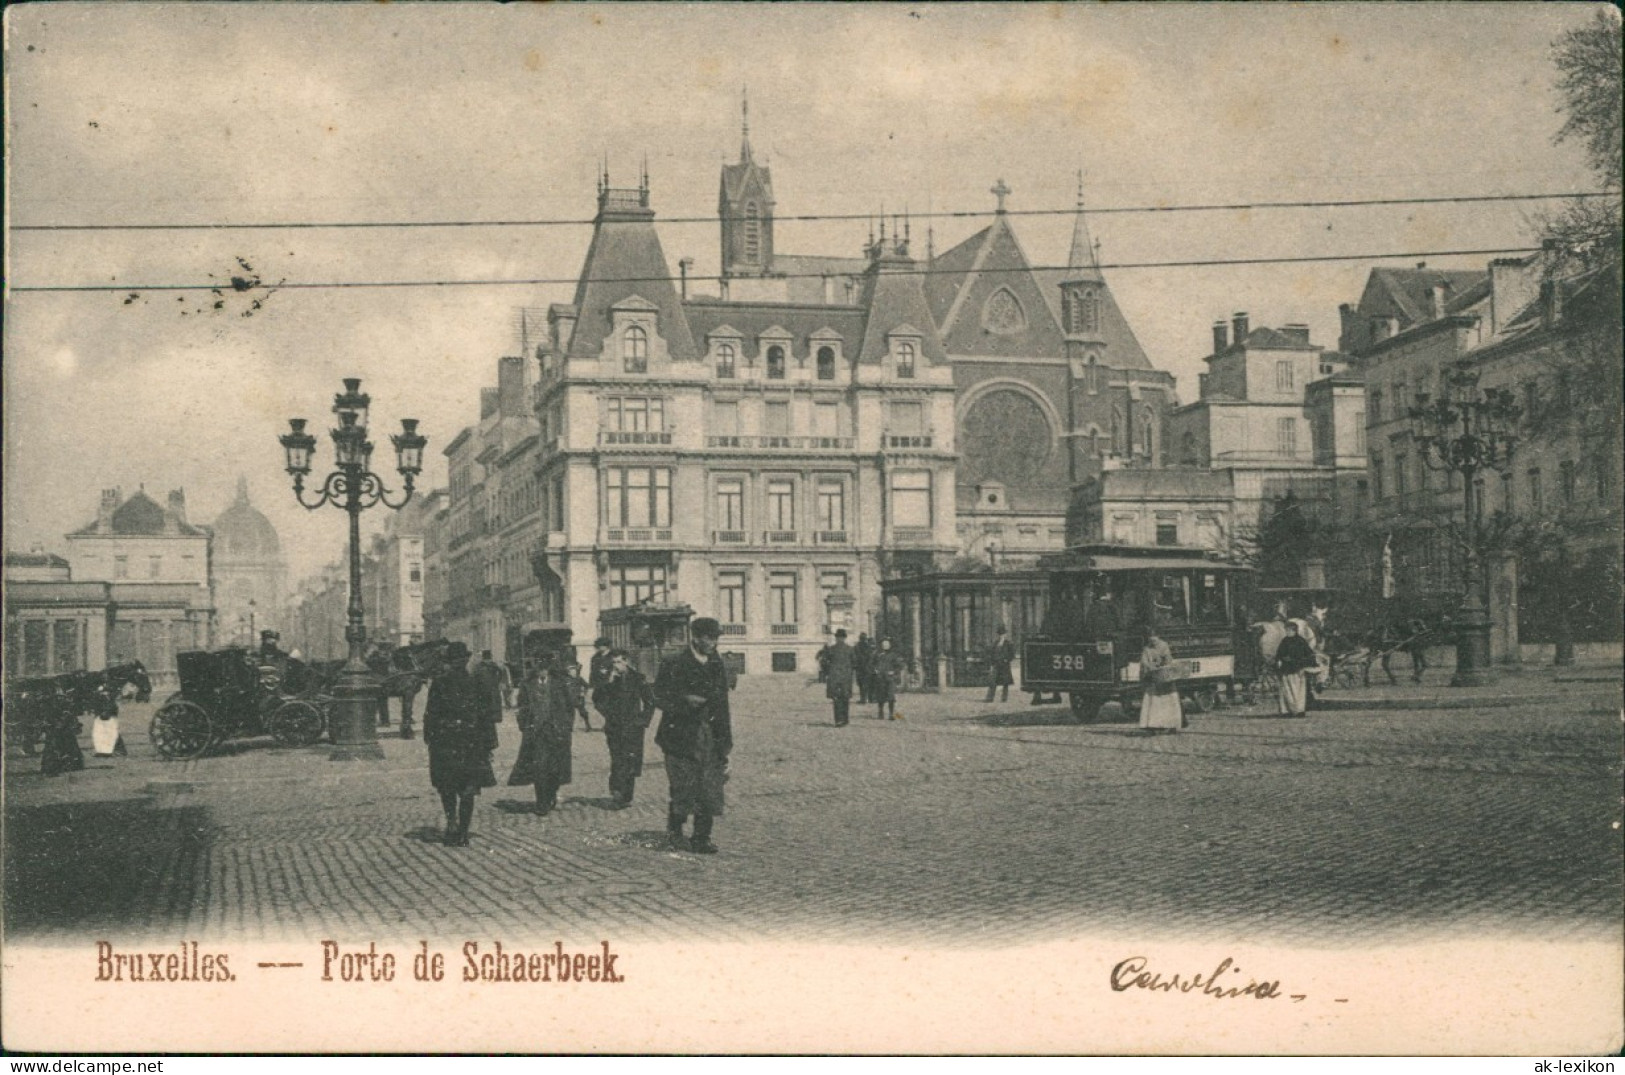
x=695 y=733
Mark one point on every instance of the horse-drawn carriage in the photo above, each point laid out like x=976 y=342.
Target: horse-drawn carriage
x=35 y=705
x=233 y=694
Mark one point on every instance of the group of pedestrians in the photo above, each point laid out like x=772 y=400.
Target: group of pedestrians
x=875 y=673
x=695 y=733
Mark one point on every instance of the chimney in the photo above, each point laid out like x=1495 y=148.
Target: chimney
x=1221 y=336
x=683 y=265
x=1347 y=339
x=1297 y=332
x=1551 y=303
x=511 y=385
x=177 y=504
x=488 y=402
x=1238 y=325
x=110 y=503
x=1437 y=295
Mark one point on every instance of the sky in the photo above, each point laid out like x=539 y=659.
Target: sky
x=126 y=114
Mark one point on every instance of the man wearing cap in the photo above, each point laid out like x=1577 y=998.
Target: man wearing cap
x=839 y=670
x=695 y=733
x=626 y=703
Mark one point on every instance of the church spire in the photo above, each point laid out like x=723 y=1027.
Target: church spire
x=744 y=125
x=1084 y=253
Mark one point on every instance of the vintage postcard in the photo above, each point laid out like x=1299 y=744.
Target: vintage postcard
x=812 y=528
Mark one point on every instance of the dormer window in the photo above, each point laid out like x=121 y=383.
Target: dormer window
x=635 y=349
x=905 y=359
x=775 y=363
x=826 y=363
x=725 y=360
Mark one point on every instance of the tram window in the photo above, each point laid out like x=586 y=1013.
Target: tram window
x=1169 y=607
x=1210 y=603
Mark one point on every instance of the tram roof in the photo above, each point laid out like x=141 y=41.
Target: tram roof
x=1136 y=558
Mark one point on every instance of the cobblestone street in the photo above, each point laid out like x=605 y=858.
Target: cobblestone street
x=963 y=824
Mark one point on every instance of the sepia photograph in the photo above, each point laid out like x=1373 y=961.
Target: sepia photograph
x=742 y=528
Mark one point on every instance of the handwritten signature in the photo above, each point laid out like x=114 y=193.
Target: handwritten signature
x=1131 y=973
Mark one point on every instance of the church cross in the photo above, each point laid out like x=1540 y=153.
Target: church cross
x=1000 y=191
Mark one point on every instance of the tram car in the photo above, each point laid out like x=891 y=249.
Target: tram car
x=647 y=632
x=1101 y=600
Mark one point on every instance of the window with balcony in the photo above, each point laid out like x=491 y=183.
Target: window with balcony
x=776 y=418
x=783 y=608
x=731 y=601
x=905 y=359
x=775 y=363
x=1286 y=436
x=781 y=504
x=826 y=421
x=826 y=363
x=832 y=505
x=637 y=496
x=636 y=414
x=635 y=349
x=726 y=358
x=905 y=419
x=730 y=505
x=725 y=423
x=911 y=499
x=635 y=583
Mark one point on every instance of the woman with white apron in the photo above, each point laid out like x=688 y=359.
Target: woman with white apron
x=1159 y=703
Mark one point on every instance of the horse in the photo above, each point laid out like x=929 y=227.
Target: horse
x=41 y=706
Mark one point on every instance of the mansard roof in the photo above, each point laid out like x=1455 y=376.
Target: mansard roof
x=1408 y=293
x=807 y=326
x=893 y=295
x=625 y=260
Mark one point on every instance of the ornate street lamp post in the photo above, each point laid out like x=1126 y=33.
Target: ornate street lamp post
x=354 y=488
x=1468 y=431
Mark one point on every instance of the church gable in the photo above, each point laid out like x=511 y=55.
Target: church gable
x=1001 y=310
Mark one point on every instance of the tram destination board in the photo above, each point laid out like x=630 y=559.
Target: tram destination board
x=1066 y=664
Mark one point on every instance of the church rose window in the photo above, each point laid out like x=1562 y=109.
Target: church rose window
x=1003 y=314
x=1006 y=437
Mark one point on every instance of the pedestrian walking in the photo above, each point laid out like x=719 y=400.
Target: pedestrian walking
x=460 y=738
x=888 y=675
x=863 y=667
x=999 y=660
x=822 y=657
x=1160 y=710
x=598 y=665
x=493 y=685
x=61 y=752
x=1415 y=647
x=578 y=691
x=839 y=669
x=1293 y=659
x=546 y=716
x=696 y=733
x=626 y=702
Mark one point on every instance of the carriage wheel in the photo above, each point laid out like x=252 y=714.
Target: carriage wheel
x=1085 y=707
x=181 y=729
x=296 y=724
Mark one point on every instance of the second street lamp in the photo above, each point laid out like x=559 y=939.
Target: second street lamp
x=353 y=487
x=1467 y=431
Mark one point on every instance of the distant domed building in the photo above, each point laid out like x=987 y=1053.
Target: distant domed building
x=250 y=573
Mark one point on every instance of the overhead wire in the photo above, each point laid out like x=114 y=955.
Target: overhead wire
x=1347 y=203
x=691 y=279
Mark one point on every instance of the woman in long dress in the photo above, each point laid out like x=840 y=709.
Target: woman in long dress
x=1293 y=658
x=1159 y=703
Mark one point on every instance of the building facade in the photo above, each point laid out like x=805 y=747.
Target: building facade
x=159 y=573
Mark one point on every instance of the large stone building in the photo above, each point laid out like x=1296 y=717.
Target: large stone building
x=250 y=573
x=158 y=568
x=1524 y=326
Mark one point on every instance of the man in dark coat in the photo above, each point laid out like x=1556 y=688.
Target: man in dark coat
x=863 y=666
x=838 y=678
x=598 y=665
x=696 y=733
x=493 y=679
x=460 y=739
x=546 y=715
x=625 y=701
x=1000 y=658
